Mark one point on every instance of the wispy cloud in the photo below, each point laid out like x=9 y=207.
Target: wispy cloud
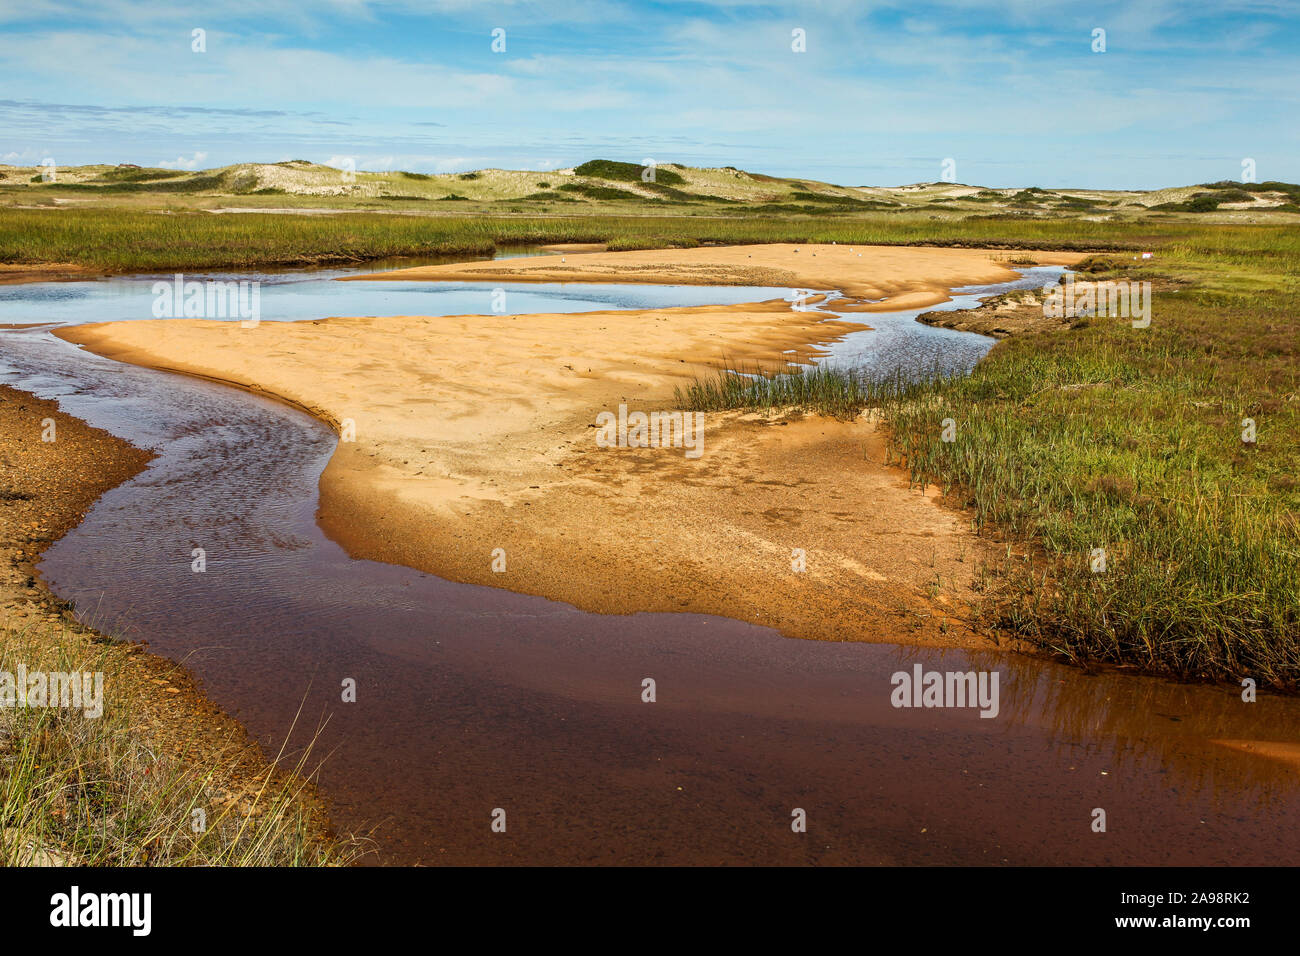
x=1012 y=89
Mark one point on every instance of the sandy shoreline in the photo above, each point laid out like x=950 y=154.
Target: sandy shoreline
x=475 y=433
x=45 y=490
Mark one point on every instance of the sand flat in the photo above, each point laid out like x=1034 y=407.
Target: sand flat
x=474 y=433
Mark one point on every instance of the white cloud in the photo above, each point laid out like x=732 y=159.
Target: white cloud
x=180 y=162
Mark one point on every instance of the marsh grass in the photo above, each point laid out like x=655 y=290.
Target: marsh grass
x=834 y=392
x=119 y=237
x=1132 y=449
x=76 y=790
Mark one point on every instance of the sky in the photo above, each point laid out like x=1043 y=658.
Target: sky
x=1013 y=93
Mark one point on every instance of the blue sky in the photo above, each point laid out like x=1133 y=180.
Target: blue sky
x=1011 y=91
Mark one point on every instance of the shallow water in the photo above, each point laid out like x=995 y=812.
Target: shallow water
x=472 y=698
x=287 y=297
x=897 y=341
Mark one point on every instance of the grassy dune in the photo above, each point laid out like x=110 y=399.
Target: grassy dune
x=604 y=182
x=1128 y=440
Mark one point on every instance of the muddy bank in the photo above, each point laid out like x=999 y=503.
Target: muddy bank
x=1000 y=316
x=1027 y=311
x=47 y=272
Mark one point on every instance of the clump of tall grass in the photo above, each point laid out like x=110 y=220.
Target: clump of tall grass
x=835 y=392
x=634 y=243
x=106 y=791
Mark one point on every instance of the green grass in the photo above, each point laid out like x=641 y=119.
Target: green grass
x=1271 y=186
x=1107 y=437
x=632 y=243
x=549 y=196
x=847 y=202
x=1129 y=440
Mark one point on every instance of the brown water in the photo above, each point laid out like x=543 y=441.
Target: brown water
x=471 y=699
